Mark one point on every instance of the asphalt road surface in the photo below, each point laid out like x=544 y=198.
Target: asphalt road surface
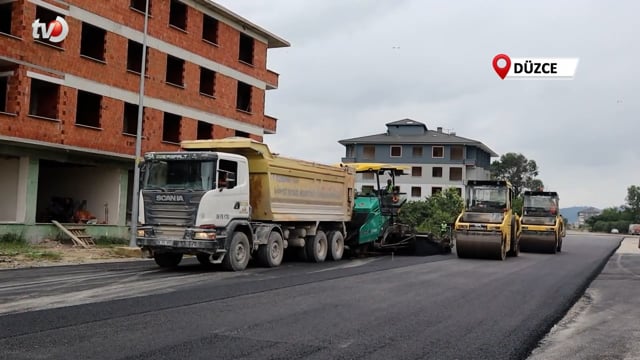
x=400 y=307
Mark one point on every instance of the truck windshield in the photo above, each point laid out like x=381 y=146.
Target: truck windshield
x=487 y=199
x=540 y=206
x=166 y=175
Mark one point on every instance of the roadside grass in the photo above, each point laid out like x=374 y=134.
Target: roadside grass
x=14 y=245
x=110 y=241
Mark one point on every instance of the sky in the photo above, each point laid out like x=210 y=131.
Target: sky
x=355 y=65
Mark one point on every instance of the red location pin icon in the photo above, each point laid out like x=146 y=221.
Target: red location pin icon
x=502 y=71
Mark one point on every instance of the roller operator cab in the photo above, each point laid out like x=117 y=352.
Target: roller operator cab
x=542 y=225
x=487 y=226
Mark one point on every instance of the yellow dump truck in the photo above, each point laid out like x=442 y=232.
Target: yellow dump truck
x=542 y=225
x=488 y=226
x=226 y=201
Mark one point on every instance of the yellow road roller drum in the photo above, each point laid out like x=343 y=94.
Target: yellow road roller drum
x=487 y=226
x=542 y=225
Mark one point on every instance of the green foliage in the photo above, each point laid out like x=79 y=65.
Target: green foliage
x=427 y=215
x=612 y=218
x=517 y=204
x=633 y=201
x=12 y=238
x=107 y=241
x=519 y=170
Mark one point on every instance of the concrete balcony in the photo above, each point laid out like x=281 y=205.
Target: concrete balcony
x=272 y=79
x=269 y=124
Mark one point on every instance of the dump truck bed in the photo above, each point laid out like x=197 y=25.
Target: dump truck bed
x=285 y=189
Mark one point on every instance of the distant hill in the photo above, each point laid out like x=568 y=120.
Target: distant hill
x=571 y=213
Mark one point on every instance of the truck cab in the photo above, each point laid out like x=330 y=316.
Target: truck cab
x=188 y=202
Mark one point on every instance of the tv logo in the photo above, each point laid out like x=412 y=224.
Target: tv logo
x=55 y=31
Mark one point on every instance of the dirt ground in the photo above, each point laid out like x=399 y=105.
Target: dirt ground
x=55 y=253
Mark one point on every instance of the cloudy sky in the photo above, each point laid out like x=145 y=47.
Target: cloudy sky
x=354 y=65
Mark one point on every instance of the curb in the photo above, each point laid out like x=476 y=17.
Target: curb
x=128 y=251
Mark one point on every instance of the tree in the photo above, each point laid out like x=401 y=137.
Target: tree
x=518 y=170
x=427 y=215
x=633 y=201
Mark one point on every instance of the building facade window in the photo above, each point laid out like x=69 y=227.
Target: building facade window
x=88 y=108
x=6 y=17
x=178 y=15
x=175 y=71
x=134 y=57
x=139 y=5
x=396 y=151
x=210 y=29
x=207 y=81
x=436 y=172
x=45 y=16
x=437 y=152
x=92 y=42
x=455 y=174
x=368 y=152
x=246 y=48
x=205 y=131
x=171 y=128
x=416 y=171
x=457 y=152
x=43 y=101
x=416 y=191
x=417 y=151
x=435 y=190
x=243 y=97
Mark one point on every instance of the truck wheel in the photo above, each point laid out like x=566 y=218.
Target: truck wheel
x=336 y=245
x=167 y=260
x=237 y=256
x=271 y=253
x=316 y=247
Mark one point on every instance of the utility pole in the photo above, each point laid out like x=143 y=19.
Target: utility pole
x=136 y=170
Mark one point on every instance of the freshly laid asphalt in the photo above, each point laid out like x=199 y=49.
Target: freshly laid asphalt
x=391 y=307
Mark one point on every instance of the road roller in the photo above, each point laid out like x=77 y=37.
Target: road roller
x=487 y=226
x=542 y=225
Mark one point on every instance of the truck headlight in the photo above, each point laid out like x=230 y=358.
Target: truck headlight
x=202 y=235
x=141 y=233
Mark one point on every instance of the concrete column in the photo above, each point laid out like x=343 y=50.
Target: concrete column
x=124 y=190
x=28 y=188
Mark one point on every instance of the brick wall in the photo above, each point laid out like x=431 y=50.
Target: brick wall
x=113 y=72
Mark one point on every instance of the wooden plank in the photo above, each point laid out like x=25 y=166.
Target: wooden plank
x=73 y=237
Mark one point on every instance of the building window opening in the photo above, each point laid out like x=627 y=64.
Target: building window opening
x=243 y=101
x=92 y=43
x=44 y=99
x=88 y=109
x=210 y=29
x=134 y=57
x=178 y=15
x=207 y=81
x=205 y=131
x=246 y=49
x=175 y=71
x=6 y=14
x=46 y=16
x=130 y=119
x=171 y=128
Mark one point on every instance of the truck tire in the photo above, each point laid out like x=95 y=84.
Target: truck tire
x=336 y=245
x=237 y=256
x=316 y=247
x=167 y=260
x=271 y=253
